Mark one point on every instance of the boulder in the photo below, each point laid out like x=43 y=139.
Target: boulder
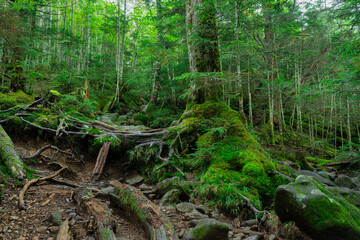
x=170 y=197
x=319 y=212
x=208 y=229
x=316 y=176
x=345 y=181
x=168 y=184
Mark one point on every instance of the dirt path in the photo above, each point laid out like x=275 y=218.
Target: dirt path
x=48 y=201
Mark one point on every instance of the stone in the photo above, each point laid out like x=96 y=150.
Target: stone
x=170 y=197
x=41 y=229
x=317 y=211
x=272 y=237
x=254 y=237
x=185 y=207
x=351 y=195
x=105 y=192
x=316 y=176
x=193 y=223
x=324 y=174
x=248 y=223
x=168 y=184
x=134 y=180
x=145 y=187
x=195 y=214
x=54 y=229
x=55 y=218
x=208 y=229
x=345 y=181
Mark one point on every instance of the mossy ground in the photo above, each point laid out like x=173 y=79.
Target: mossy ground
x=230 y=162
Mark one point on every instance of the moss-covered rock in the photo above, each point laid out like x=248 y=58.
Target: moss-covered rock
x=316 y=210
x=168 y=184
x=208 y=229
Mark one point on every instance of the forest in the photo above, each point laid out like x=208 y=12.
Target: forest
x=180 y=119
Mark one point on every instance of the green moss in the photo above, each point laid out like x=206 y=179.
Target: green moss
x=8 y=100
x=230 y=160
x=129 y=200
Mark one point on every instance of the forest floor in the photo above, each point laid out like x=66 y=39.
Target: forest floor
x=43 y=200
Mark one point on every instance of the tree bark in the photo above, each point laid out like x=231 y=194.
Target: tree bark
x=9 y=156
x=204 y=55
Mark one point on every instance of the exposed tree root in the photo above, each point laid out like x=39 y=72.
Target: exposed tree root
x=255 y=211
x=33 y=181
x=38 y=152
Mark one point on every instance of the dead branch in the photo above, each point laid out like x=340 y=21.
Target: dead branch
x=33 y=181
x=252 y=208
x=63 y=233
x=48 y=200
x=338 y=163
x=100 y=161
x=61 y=128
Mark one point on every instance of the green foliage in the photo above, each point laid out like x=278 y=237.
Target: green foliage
x=114 y=140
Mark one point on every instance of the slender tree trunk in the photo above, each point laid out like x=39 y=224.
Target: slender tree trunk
x=249 y=94
x=348 y=122
x=238 y=86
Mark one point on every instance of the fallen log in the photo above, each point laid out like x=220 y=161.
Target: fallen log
x=156 y=223
x=22 y=193
x=99 y=212
x=100 y=162
x=9 y=156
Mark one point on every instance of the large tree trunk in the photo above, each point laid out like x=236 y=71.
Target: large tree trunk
x=204 y=56
x=9 y=157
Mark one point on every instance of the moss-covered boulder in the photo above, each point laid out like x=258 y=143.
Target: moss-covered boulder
x=229 y=160
x=345 y=181
x=168 y=184
x=316 y=210
x=208 y=229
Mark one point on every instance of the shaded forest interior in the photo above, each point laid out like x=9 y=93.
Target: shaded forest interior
x=240 y=95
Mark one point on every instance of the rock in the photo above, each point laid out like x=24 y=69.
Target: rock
x=316 y=176
x=193 y=222
x=239 y=235
x=145 y=187
x=317 y=211
x=185 y=207
x=41 y=229
x=208 y=229
x=345 y=181
x=55 y=218
x=134 y=180
x=324 y=174
x=168 y=184
x=109 y=117
x=170 y=197
x=254 y=237
x=248 y=223
x=54 y=229
x=272 y=237
x=195 y=214
x=351 y=195
x=105 y=192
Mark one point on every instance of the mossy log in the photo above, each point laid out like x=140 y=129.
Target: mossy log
x=9 y=157
x=157 y=225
